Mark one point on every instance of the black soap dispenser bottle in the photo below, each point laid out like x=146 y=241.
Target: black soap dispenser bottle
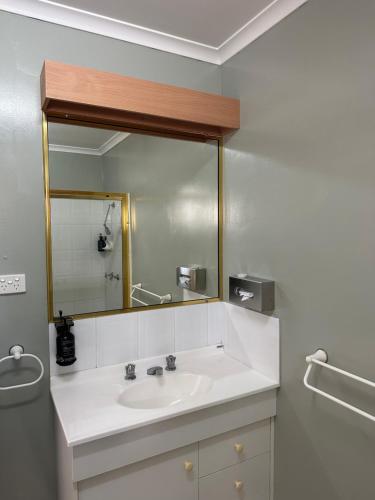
x=65 y=341
x=102 y=243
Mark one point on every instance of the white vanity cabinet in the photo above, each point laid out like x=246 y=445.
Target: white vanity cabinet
x=233 y=447
x=249 y=480
x=216 y=446
x=219 y=453
x=170 y=476
x=231 y=466
x=236 y=465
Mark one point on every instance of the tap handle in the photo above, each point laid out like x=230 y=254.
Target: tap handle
x=171 y=362
x=130 y=371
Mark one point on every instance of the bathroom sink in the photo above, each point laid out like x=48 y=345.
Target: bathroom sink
x=163 y=391
x=97 y=403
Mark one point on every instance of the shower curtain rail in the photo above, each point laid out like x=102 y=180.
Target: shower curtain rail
x=163 y=298
x=320 y=357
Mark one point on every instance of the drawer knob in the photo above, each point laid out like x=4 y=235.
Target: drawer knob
x=239 y=447
x=238 y=485
x=188 y=466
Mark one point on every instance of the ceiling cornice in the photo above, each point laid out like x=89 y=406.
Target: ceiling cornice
x=61 y=148
x=100 y=151
x=56 y=13
x=257 y=26
x=112 y=142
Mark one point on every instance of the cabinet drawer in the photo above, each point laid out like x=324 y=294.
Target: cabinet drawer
x=169 y=476
x=233 y=447
x=248 y=480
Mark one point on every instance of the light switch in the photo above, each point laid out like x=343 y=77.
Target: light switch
x=12 y=283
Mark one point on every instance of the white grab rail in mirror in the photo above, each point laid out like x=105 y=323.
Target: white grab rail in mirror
x=320 y=357
x=17 y=352
x=162 y=298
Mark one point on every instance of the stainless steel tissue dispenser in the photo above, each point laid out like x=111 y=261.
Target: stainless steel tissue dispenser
x=191 y=278
x=252 y=293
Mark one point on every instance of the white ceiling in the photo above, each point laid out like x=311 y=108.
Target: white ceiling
x=208 y=30
x=83 y=137
x=210 y=22
x=82 y=140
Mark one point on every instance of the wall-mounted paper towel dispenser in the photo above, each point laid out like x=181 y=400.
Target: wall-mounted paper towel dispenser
x=191 y=278
x=252 y=293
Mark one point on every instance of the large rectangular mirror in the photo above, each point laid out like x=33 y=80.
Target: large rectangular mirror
x=133 y=219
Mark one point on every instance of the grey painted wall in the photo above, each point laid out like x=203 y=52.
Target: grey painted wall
x=26 y=417
x=173 y=189
x=75 y=171
x=300 y=198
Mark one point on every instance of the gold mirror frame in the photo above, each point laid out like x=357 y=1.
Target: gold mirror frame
x=92 y=195
x=126 y=295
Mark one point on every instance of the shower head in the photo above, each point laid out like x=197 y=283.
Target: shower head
x=106 y=228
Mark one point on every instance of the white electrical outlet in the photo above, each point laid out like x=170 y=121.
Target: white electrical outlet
x=12 y=283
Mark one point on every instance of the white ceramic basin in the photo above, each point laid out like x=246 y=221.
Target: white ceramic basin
x=163 y=391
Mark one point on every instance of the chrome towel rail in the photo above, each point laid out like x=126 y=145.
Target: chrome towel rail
x=17 y=352
x=320 y=357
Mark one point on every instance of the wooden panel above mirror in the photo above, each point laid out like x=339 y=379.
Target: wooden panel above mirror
x=88 y=95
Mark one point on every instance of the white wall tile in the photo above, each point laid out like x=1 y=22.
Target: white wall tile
x=250 y=337
x=76 y=225
x=156 y=333
x=68 y=307
x=62 y=290
x=253 y=339
x=81 y=237
x=117 y=338
x=216 y=322
x=60 y=210
x=61 y=237
x=85 y=339
x=62 y=262
x=190 y=327
x=80 y=211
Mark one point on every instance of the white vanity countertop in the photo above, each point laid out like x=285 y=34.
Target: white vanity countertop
x=87 y=402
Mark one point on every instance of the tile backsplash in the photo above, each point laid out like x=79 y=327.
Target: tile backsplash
x=108 y=340
x=253 y=339
x=116 y=339
x=250 y=337
x=156 y=332
x=191 y=327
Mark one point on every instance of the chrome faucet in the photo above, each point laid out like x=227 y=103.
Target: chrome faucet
x=155 y=370
x=130 y=372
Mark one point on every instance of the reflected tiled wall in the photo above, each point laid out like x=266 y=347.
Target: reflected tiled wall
x=78 y=268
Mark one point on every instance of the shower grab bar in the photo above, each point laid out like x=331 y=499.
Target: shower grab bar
x=140 y=301
x=135 y=298
x=163 y=298
x=320 y=357
x=17 y=352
